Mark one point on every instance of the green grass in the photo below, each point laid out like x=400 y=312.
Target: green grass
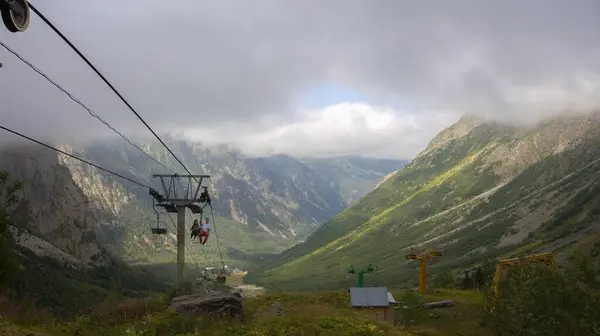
x=554 y=299
x=462 y=319
x=324 y=313
x=65 y=291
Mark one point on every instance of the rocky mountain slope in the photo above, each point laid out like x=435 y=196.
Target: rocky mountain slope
x=262 y=205
x=480 y=190
x=278 y=195
x=55 y=209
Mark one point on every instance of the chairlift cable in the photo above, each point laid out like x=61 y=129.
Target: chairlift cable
x=78 y=159
x=74 y=157
x=206 y=255
x=217 y=236
x=187 y=248
x=72 y=97
x=66 y=40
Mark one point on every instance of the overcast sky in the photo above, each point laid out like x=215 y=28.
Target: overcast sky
x=308 y=77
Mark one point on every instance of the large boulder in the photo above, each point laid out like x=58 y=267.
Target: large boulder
x=213 y=304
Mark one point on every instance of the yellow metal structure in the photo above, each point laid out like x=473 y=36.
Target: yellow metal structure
x=422 y=258
x=503 y=265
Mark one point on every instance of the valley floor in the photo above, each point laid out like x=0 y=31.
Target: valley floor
x=326 y=313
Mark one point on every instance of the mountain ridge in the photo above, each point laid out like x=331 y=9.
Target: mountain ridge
x=453 y=196
x=262 y=205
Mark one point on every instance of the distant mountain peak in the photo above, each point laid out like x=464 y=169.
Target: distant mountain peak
x=457 y=130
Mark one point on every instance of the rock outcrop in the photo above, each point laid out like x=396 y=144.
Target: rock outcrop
x=213 y=304
x=55 y=210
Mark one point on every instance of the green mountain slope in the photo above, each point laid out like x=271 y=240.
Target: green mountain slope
x=480 y=190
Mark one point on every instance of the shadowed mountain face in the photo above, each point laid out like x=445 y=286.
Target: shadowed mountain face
x=353 y=176
x=480 y=190
x=262 y=205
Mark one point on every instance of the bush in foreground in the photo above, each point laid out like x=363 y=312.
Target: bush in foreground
x=540 y=300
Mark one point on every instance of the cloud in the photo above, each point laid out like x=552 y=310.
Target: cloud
x=238 y=67
x=341 y=129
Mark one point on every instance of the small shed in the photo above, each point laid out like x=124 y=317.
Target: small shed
x=376 y=301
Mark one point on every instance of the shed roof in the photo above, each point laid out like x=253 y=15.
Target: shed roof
x=369 y=297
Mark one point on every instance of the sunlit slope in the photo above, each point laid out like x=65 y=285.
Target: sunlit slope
x=478 y=191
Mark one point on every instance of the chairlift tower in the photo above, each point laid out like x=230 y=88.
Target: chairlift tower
x=423 y=258
x=360 y=273
x=176 y=201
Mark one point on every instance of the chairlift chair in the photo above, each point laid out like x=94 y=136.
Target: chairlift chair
x=204 y=195
x=158 y=230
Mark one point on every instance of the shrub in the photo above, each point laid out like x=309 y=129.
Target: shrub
x=540 y=300
x=8 y=199
x=116 y=312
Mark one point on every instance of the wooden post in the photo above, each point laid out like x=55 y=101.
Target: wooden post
x=422 y=274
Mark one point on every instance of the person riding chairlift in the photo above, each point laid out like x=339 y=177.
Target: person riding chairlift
x=204 y=231
x=195 y=229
